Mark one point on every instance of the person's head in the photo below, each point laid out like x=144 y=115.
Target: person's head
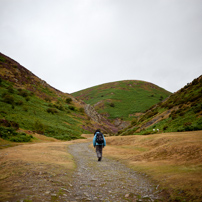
x=98 y=130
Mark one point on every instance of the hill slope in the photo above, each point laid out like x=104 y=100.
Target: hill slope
x=182 y=111
x=122 y=99
x=29 y=103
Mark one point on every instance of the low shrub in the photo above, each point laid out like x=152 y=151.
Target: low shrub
x=112 y=105
x=25 y=109
x=52 y=110
x=197 y=108
x=6 y=123
x=60 y=107
x=19 y=103
x=39 y=127
x=9 y=99
x=47 y=99
x=23 y=93
x=2 y=59
x=72 y=108
x=68 y=100
x=11 y=135
x=134 y=121
x=10 y=89
x=81 y=110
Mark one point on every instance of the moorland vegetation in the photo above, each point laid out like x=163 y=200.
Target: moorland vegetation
x=122 y=99
x=182 y=111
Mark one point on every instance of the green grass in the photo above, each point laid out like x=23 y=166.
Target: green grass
x=186 y=113
x=120 y=99
x=32 y=114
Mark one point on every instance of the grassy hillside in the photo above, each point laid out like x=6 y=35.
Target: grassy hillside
x=28 y=103
x=182 y=111
x=122 y=99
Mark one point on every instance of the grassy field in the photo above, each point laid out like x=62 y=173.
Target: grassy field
x=174 y=160
x=31 y=168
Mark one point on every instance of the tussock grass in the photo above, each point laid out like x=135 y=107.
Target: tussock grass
x=28 y=163
x=174 y=160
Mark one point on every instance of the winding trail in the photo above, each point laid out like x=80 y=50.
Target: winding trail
x=107 y=180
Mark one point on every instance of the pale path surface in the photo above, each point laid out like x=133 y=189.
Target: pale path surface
x=107 y=180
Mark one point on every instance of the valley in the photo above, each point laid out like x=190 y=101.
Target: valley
x=52 y=170
x=45 y=140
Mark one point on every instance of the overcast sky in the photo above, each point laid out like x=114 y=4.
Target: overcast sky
x=76 y=44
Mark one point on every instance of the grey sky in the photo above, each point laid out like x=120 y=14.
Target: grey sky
x=75 y=44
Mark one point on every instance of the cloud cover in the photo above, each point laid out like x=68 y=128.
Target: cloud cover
x=75 y=44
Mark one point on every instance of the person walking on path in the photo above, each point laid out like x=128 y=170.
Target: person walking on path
x=99 y=143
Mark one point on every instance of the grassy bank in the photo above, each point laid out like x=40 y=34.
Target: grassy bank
x=28 y=169
x=174 y=160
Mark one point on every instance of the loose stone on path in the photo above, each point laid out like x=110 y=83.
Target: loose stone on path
x=107 y=180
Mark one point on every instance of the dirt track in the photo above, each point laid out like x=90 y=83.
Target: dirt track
x=107 y=180
x=43 y=172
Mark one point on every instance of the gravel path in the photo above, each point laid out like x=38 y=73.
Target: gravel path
x=107 y=180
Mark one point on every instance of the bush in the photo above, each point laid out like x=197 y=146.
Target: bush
x=111 y=105
x=81 y=110
x=165 y=127
x=27 y=99
x=23 y=93
x=52 y=110
x=10 y=89
x=9 y=99
x=25 y=109
x=47 y=99
x=11 y=135
x=6 y=123
x=60 y=107
x=72 y=108
x=2 y=59
x=39 y=127
x=197 y=108
x=68 y=100
x=134 y=121
x=161 y=98
x=19 y=103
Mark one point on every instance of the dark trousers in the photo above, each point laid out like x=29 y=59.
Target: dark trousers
x=99 y=150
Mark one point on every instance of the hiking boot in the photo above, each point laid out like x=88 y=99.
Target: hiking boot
x=99 y=159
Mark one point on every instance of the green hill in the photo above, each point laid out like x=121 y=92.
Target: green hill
x=29 y=105
x=182 y=111
x=122 y=99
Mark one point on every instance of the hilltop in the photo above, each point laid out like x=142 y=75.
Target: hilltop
x=122 y=100
x=29 y=105
x=182 y=111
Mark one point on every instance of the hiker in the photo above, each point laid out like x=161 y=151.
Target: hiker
x=99 y=142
